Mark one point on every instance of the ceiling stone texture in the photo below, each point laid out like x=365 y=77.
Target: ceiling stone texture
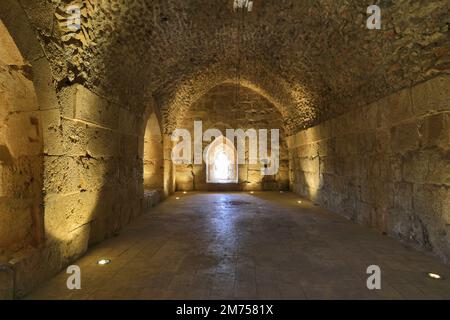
x=313 y=59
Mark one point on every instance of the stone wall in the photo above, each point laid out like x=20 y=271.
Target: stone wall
x=218 y=109
x=21 y=165
x=20 y=149
x=386 y=165
x=93 y=181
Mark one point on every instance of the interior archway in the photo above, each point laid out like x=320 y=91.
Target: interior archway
x=21 y=219
x=221 y=162
x=247 y=112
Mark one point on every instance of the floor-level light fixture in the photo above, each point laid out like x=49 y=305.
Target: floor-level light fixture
x=102 y=262
x=435 y=276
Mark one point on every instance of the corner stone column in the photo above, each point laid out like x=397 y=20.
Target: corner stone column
x=169 y=176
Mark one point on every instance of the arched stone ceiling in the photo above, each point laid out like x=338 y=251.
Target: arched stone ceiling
x=314 y=58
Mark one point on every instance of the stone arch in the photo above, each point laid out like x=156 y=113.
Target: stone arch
x=292 y=100
x=29 y=108
x=221 y=162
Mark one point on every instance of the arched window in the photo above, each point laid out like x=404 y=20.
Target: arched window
x=221 y=162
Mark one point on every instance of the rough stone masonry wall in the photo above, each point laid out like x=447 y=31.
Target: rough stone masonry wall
x=218 y=109
x=386 y=165
x=93 y=182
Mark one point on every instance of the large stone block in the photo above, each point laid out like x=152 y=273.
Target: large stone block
x=415 y=167
x=92 y=108
x=405 y=137
x=65 y=213
x=6 y=282
x=435 y=131
x=16 y=222
x=53 y=140
x=44 y=84
x=432 y=95
x=64 y=175
x=428 y=200
x=81 y=139
x=17 y=92
x=22 y=134
x=403 y=193
x=129 y=122
x=439 y=168
x=395 y=108
x=32 y=267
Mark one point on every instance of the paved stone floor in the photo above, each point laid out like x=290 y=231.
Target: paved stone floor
x=264 y=245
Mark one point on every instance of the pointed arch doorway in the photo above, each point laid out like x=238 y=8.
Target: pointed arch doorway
x=221 y=162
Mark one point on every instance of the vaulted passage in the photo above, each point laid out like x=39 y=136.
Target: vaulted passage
x=217 y=149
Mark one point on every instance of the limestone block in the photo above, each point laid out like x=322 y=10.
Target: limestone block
x=151 y=198
x=44 y=84
x=428 y=200
x=6 y=282
x=16 y=222
x=435 y=131
x=395 y=167
x=92 y=108
x=415 y=167
x=65 y=213
x=405 y=137
x=365 y=213
x=432 y=95
x=438 y=168
x=327 y=165
x=22 y=178
x=369 y=116
x=65 y=175
x=403 y=193
x=22 y=134
x=395 y=108
x=53 y=140
x=33 y=266
x=382 y=141
x=81 y=139
x=312 y=180
x=129 y=146
x=17 y=92
x=129 y=122
x=61 y=175
x=76 y=243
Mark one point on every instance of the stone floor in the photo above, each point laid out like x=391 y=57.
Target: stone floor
x=264 y=245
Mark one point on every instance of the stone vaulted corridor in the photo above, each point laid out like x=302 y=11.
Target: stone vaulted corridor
x=224 y=149
x=263 y=245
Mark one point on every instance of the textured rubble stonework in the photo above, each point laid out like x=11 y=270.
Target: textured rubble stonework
x=316 y=59
x=386 y=165
x=226 y=108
